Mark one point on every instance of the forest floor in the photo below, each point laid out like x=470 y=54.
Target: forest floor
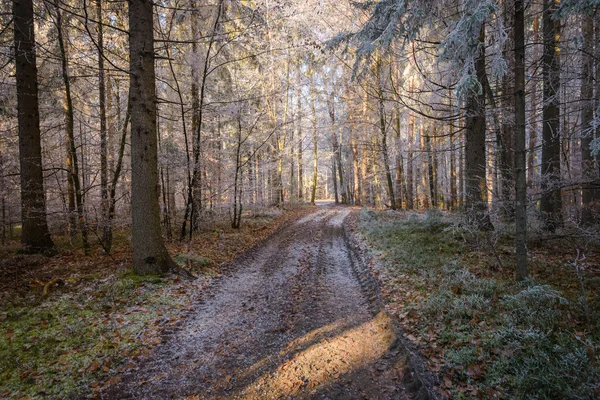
x=452 y=291
x=320 y=302
x=70 y=324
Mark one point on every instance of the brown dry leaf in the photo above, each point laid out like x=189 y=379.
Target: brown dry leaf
x=10 y=333
x=112 y=380
x=94 y=366
x=493 y=393
x=475 y=371
x=446 y=382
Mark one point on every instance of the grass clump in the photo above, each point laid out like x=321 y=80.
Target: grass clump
x=486 y=335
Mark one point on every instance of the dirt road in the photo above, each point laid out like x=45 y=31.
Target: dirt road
x=290 y=322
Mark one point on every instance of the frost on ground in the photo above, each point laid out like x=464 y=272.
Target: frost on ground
x=290 y=321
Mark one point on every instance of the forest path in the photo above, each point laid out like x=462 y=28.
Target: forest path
x=291 y=321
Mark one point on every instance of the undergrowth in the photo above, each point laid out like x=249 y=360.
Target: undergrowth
x=485 y=335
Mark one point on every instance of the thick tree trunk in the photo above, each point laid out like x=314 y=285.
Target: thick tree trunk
x=35 y=236
x=475 y=152
x=522 y=271
x=597 y=100
x=149 y=253
x=506 y=139
x=551 y=202
x=533 y=126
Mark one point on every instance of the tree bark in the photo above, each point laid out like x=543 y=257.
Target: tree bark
x=103 y=130
x=149 y=253
x=313 y=193
x=383 y=132
x=522 y=271
x=475 y=152
x=506 y=139
x=409 y=157
x=551 y=202
x=588 y=167
x=35 y=236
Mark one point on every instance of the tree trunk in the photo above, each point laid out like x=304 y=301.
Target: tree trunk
x=533 y=126
x=409 y=157
x=70 y=130
x=453 y=190
x=400 y=190
x=149 y=253
x=313 y=193
x=522 y=271
x=103 y=130
x=506 y=139
x=35 y=236
x=430 y=170
x=551 y=202
x=588 y=168
x=383 y=132
x=475 y=152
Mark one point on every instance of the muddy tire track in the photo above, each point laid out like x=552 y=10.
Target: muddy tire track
x=290 y=321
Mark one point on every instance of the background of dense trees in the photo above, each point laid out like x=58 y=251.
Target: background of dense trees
x=488 y=107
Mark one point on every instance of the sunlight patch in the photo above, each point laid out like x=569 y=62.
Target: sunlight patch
x=325 y=361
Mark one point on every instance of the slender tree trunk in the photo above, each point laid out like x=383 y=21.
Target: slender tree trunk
x=70 y=130
x=522 y=271
x=107 y=237
x=551 y=202
x=149 y=253
x=313 y=193
x=357 y=172
x=334 y=179
x=422 y=189
x=238 y=179
x=475 y=151
x=400 y=191
x=300 y=143
x=430 y=170
x=103 y=130
x=35 y=236
x=588 y=168
x=340 y=169
x=409 y=157
x=383 y=132
x=453 y=175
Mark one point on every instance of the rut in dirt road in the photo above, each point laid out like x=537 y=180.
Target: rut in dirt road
x=290 y=322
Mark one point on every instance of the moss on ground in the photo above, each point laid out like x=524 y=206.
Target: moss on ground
x=485 y=335
x=59 y=346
